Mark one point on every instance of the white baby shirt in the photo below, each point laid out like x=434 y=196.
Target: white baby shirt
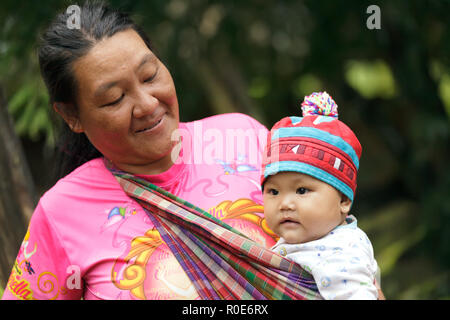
x=342 y=262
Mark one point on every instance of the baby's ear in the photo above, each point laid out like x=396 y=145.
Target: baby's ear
x=345 y=204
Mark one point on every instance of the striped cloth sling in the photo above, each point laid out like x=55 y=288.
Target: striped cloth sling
x=221 y=262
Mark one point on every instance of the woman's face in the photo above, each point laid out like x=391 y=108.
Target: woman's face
x=127 y=104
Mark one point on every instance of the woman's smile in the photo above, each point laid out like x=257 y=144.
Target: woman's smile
x=151 y=126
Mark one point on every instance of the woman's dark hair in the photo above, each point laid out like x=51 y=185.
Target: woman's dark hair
x=60 y=46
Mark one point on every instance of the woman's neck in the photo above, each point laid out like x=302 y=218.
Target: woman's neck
x=159 y=166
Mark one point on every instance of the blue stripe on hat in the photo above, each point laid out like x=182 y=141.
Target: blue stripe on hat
x=296 y=120
x=283 y=166
x=318 y=134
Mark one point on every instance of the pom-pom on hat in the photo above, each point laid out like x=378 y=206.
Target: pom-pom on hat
x=317 y=144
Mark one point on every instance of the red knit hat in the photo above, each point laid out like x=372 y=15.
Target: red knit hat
x=317 y=144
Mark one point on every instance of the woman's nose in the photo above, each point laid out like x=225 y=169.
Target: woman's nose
x=145 y=104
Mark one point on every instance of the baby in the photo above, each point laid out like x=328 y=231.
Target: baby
x=309 y=182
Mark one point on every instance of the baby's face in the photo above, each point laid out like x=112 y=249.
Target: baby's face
x=300 y=208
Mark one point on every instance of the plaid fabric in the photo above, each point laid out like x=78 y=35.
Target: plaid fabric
x=221 y=262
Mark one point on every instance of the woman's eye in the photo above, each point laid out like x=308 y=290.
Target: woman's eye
x=302 y=190
x=115 y=101
x=149 y=79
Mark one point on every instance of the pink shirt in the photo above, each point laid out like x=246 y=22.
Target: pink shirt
x=88 y=239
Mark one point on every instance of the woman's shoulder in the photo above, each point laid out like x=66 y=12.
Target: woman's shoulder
x=86 y=181
x=90 y=171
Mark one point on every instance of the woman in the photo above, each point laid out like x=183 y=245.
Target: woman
x=87 y=238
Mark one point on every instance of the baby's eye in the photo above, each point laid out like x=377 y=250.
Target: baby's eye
x=273 y=192
x=302 y=190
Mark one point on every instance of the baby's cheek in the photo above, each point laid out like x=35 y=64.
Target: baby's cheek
x=269 y=220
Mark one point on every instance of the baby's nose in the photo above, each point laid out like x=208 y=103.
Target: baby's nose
x=287 y=203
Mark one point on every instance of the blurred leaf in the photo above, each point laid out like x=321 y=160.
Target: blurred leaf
x=444 y=92
x=393 y=229
x=307 y=84
x=259 y=87
x=425 y=287
x=389 y=256
x=18 y=101
x=388 y=216
x=31 y=111
x=38 y=123
x=371 y=79
x=23 y=122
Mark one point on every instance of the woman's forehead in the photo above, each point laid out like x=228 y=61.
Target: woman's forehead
x=113 y=57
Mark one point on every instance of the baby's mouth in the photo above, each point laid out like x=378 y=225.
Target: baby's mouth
x=287 y=222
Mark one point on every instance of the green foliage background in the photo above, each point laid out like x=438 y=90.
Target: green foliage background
x=261 y=58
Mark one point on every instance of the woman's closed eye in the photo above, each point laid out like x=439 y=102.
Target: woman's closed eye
x=150 y=79
x=112 y=103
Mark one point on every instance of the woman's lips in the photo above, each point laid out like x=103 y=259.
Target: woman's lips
x=151 y=126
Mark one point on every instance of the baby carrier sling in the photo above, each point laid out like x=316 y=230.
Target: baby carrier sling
x=221 y=262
